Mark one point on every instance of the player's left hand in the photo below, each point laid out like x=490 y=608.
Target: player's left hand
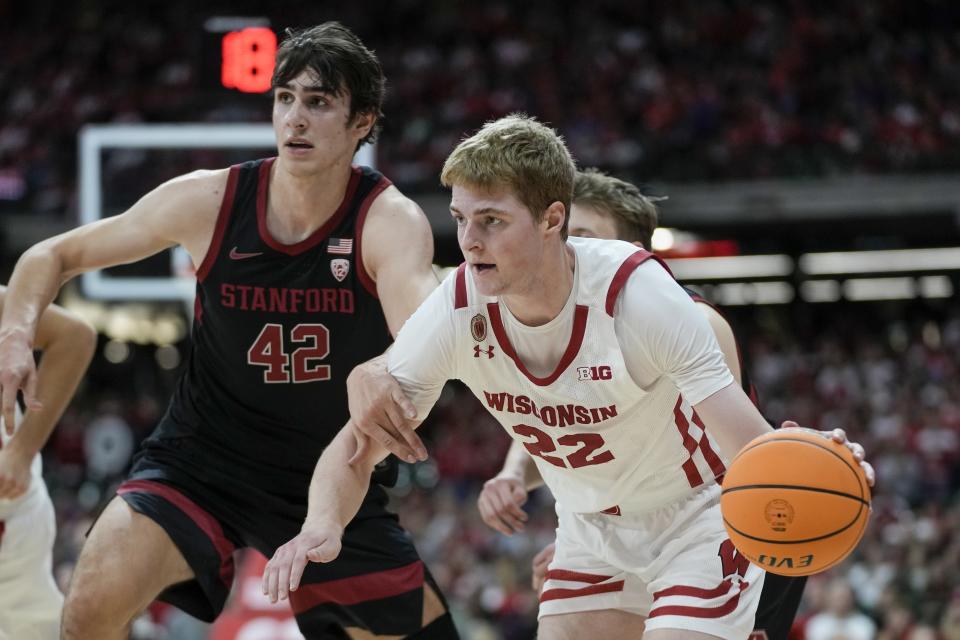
x=380 y=410
x=539 y=566
x=316 y=542
x=14 y=473
x=840 y=436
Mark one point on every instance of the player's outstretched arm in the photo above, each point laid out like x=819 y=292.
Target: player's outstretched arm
x=67 y=343
x=336 y=492
x=398 y=254
x=181 y=211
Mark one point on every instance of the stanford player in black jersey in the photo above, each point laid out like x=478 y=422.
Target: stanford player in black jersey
x=305 y=266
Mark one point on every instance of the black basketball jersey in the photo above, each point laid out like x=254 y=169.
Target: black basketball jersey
x=277 y=329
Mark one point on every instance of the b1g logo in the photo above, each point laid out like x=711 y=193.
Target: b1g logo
x=603 y=372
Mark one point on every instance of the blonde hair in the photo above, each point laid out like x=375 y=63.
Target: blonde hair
x=635 y=214
x=521 y=154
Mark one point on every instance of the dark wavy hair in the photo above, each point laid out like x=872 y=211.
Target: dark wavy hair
x=341 y=60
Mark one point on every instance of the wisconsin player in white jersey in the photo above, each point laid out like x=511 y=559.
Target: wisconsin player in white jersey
x=605 y=207
x=588 y=353
x=30 y=603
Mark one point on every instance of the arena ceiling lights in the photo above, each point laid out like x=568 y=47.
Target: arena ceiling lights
x=900 y=274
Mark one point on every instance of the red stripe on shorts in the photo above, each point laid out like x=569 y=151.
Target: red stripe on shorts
x=206 y=522
x=696 y=592
x=699 y=612
x=575 y=576
x=561 y=594
x=357 y=589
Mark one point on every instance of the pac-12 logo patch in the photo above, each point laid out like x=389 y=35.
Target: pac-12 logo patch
x=340 y=267
x=478 y=327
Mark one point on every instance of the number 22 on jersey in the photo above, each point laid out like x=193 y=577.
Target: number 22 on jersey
x=298 y=366
x=585 y=456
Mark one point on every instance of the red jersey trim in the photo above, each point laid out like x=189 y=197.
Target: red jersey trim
x=206 y=522
x=357 y=589
x=694 y=479
x=460 y=289
x=576 y=340
x=368 y=283
x=223 y=217
x=716 y=464
x=263 y=187
x=628 y=267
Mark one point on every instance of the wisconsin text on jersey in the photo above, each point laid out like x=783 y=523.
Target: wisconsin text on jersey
x=285 y=300
x=560 y=415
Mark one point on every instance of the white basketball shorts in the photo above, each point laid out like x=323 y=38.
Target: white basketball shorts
x=30 y=603
x=674 y=566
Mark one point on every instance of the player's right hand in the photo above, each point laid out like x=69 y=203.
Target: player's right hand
x=380 y=410
x=316 y=542
x=539 y=566
x=14 y=473
x=500 y=504
x=18 y=372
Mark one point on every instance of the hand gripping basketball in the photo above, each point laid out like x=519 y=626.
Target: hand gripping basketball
x=796 y=501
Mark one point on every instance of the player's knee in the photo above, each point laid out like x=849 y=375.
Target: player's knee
x=90 y=612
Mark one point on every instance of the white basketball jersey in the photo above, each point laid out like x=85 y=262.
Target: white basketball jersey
x=600 y=441
x=36 y=473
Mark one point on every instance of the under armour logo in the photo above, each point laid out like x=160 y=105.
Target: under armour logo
x=477 y=351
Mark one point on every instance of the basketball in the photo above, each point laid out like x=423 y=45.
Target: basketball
x=795 y=502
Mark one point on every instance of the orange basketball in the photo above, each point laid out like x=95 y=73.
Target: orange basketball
x=795 y=502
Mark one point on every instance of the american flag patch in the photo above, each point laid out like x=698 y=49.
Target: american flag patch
x=340 y=245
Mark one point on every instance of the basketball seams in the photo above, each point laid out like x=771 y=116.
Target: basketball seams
x=803 y=541
x=797 y=487
x=782 y=438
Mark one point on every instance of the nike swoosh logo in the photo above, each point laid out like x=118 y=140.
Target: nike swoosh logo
x=237 y=255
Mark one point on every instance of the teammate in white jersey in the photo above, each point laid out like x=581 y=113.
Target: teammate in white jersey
x=587 y=352
x=30 y=603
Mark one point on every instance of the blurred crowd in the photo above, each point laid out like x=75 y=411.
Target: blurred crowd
x=649 y=89
x=893 y=384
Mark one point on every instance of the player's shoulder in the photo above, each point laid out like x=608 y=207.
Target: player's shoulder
x=210 y=182
x=392 y=206
x=602 y=255
x=200 y=190
x=605 y=266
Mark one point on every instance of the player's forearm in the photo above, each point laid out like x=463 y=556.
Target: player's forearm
x=62 y=366
x=731 y=419
x=33 y=286
x=519 y=464
x=337 y=488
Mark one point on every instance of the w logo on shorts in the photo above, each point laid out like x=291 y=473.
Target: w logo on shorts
x=732 y=561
